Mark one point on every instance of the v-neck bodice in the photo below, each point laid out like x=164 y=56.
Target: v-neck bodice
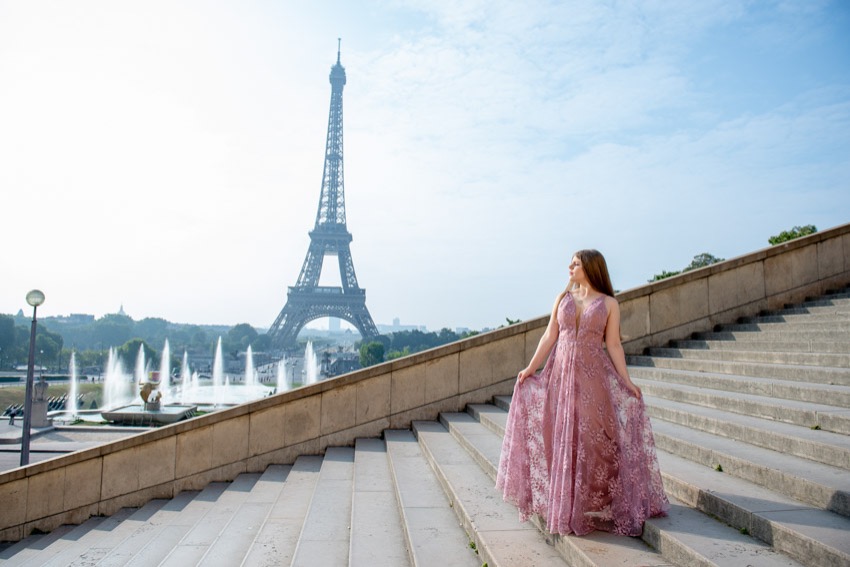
x=587 y=325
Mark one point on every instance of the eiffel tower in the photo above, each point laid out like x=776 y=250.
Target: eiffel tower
x=307 y=300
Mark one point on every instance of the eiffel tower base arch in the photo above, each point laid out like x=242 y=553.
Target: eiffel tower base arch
x=303 y=306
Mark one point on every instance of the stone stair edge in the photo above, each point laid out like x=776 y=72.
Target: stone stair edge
x=318 y=542
x=659 y=532
x=482 y=413
x=821 y=446
x=813 y=483
x=490 y=544
x=788 y=526
x=443 y=527
x=794 y=411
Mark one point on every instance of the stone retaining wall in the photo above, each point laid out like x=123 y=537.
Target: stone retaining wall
x=219 y=446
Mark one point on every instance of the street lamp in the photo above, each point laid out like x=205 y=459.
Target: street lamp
x=34 y=298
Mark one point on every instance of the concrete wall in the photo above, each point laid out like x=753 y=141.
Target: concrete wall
x=765 y=280
x=217 y=447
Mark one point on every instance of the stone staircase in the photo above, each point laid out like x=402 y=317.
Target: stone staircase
x=752 y=425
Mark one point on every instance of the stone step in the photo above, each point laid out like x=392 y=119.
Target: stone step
x=598 y=548
x=58 y=547
x=103 y=545
x=788 y=334
x=492 y=524
x=840 y=347
x=803 y=316
x=814 y=311
x=689 y=537
x=685 y=537
x=277 y=539
x=757 y=505
x=79 y=552
x=168 y=523
x=834 y=360
x=820 y=446
x=806 y=414
x=194 y=545
x=19 y=552
x=820 y=485
x=432 y=531
x=840 y=299
x=239 y=532
x=809 y=535
x=827 y=394
x=803 y=326
x=797 y=373
x=377 y=537
x=806 y=481
x=325 y=538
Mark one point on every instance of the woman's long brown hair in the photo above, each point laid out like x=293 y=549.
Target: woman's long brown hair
x=596 y=270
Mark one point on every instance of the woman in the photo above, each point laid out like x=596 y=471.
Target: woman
x=578 y=448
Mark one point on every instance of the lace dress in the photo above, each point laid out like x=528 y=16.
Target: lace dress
x=578 y=447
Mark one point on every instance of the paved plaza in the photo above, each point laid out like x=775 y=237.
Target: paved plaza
x=47 y=443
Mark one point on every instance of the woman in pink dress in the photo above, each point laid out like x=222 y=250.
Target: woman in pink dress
x=578 y=448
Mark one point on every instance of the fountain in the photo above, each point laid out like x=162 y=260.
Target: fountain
x=152 y=410
x=250 y=373
x=311 y=365
x=141 y=370
x=283 y=383
x=185 y=378
x=158 y=393
x=165 y=369
x=71 y=403
x=116 y=383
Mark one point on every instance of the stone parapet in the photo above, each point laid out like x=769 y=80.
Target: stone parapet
x=190 y=454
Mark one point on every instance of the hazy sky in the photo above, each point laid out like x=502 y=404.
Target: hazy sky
x=167 y=155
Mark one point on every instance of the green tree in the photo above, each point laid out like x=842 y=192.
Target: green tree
x=371 y=353
x=664 y=275
x=7 y=340
x=393 y=354
x=262 y=343
x=238 y=338
x=47 y=346
x=701 y=261
x=129 y=351
x=795 y=232
x=112 y=330
x=153 y=329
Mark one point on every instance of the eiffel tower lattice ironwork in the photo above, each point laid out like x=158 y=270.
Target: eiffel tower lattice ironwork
x=307 y=300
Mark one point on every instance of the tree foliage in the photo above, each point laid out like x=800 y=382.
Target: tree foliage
x=664 y=275
x=8 y=340
x=795 y=232
x=700 y=261
x=129 y=352
x=371 y=353
x=238 y=339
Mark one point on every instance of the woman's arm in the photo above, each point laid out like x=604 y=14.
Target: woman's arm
x=547 y=341
x=615 y=347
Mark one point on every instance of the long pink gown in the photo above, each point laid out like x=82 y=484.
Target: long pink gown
x=578 y=447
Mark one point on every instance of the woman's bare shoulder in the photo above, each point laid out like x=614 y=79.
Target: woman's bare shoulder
x=611 y=303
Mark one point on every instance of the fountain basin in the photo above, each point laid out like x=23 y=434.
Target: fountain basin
x=138 y=415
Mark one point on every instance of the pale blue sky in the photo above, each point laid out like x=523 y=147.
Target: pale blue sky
x=167 y=155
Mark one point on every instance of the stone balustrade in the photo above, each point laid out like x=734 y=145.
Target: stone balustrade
x=217 y=447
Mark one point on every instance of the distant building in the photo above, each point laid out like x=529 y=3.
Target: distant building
x=397 y=327
x=73 y=319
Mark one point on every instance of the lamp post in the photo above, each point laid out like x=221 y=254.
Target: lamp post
x=34 y=298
